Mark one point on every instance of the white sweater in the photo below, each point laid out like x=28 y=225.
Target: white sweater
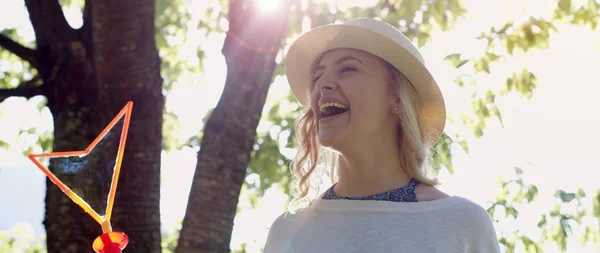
x=452 y=224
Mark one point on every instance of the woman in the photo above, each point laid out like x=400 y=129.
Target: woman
x=372 y=111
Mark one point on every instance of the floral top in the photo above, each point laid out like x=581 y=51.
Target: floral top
x=403 y=194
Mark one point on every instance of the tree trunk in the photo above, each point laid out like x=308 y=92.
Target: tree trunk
x=69 y=86
x=252 y=43
x=128 y=68
x=88 y=76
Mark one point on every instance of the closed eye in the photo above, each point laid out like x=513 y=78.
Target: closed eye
x=347 y=68
x=342 y=71
x=316 y=79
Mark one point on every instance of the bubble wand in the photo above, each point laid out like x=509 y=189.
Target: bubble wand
x=110 y=241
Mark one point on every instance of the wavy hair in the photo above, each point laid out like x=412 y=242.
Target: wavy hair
x=312 y=157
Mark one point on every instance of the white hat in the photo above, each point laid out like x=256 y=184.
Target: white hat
x=380 y=39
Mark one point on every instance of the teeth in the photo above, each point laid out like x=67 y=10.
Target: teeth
x=338 y=105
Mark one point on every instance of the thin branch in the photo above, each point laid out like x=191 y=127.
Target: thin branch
x=86 y=28
x=23 y=52
x=49 y=22
x=26 y=89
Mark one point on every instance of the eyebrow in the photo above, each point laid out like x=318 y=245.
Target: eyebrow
x=340 y=60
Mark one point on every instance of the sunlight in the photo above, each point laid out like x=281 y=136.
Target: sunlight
x=268 y=6
x=560 y=112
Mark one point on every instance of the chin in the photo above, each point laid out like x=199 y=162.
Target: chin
x=332 y=141
x=334 y=134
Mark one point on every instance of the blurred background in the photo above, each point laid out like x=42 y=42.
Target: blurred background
x=207 y=160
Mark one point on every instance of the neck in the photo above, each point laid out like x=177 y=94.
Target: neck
x=374 y=167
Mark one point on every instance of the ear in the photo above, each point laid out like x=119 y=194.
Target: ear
x=396 y=108
x=394 y=102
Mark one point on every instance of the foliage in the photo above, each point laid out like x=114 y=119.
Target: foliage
x=169 y=241
x=514 y=192
x=268 y=161
x=509 y=41
x=504 y=42
x=78 y=3
x=170 y=35
x=572 y=208
x=14 y=70
x=20 y=238
x=443 y=154
x=586 y=14
x=418 y=19
x=182 y=56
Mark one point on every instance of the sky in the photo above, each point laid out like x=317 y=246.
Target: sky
x=552 y=136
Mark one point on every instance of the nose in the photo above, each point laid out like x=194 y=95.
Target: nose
x=326 y=83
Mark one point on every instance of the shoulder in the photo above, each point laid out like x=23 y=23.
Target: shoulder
x=471 y=219
x=282 y=229
x=470 y=209
x=286 y=217
x=472 y=213
x=476 y=226
x=428 y=193
x=460 y=209
x=283 y=221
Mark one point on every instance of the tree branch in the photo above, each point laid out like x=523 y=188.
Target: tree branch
x=87 y=15
x=26 y=89
x=23 y=52
x=49 y=22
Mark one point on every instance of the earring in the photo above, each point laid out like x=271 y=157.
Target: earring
x=395 y=109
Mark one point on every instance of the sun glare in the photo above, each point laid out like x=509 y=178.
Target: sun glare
x=267 y=6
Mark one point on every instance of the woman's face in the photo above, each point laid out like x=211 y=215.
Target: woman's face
x=351 y=98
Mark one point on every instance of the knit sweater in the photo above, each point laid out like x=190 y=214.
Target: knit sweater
x=452 y=224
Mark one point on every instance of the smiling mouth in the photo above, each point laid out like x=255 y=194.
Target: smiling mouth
x=332 y=109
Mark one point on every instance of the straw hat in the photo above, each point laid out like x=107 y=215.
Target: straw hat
x=380 y=39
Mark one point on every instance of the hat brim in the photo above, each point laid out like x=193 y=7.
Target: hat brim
x=310 y=46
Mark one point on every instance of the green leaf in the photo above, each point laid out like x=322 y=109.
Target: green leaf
x=564 y=5
x=542 y=222
x=482 y=65
x=46 y=140
x=511 y=211
x=201 y=55
x=4 y=144
x=464 y=145
x=443 y=154
x=455 y=60
x=524 y=83
x=492 y=57
x=459 y=81
x=581 y=192
x=65 y=2
x=518 y=171
x=532 y=193
x=596 y=205
x=492 y=210
x=42 y=104
x=439 y=9
x=565 y=196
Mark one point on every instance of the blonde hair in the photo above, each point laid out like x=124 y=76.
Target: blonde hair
x=413 y=149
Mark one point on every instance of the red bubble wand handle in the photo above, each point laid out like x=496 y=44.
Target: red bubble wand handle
x=110 y=241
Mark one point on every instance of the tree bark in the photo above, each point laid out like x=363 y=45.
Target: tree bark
x=88 y=75
x=69 y=86
x=128 y=68
x=252 y=43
